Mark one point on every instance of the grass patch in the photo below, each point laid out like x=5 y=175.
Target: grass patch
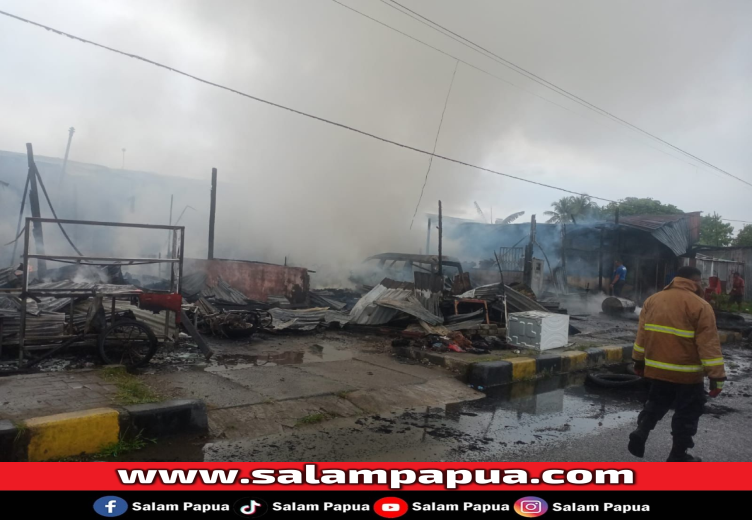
x=21 y=429
x=130 y=389
x=125 y=446
x=343 y=394
x=314 y=418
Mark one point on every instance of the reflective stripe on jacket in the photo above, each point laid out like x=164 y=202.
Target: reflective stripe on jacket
x=678 y=338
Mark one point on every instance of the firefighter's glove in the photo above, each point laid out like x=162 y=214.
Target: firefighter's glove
x=639 y=368
x=716 y=387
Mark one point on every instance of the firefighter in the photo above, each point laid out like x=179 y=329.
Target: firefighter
x=677 y=345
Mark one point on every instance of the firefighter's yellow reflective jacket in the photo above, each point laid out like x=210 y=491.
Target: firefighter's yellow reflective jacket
x=678 y=338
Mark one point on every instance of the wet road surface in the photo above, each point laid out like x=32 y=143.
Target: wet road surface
x=555 y=419
x=526 y=417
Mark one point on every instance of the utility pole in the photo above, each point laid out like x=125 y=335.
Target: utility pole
x=441 y=267
x=428 y=238
x=527 y=275
x=212 y=213
x=122 y=167
x=71 y=131
x=169 y=233
x=35 y=211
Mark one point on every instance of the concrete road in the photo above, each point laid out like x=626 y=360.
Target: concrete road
x=556 y=420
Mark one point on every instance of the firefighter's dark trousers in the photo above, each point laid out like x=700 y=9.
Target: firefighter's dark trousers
x=688 y=402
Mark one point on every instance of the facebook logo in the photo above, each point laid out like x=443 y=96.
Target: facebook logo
x=110 y=506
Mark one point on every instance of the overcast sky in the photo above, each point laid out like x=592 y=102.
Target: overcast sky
x=680 y=69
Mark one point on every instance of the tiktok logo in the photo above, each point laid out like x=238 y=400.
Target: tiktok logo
x=251 y=508
x=254 y=507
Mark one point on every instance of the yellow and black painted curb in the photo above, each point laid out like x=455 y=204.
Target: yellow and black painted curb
x=60 y=436
x=503 y=371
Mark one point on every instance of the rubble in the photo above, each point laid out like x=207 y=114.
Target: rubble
x=306 y=319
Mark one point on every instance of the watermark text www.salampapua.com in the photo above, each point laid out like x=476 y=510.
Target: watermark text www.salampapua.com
x=394 y=478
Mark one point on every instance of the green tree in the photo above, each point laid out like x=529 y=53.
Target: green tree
x=569 y=209
x=511 y=218
x=715 y=232
x=639 y=206
x=744 y=238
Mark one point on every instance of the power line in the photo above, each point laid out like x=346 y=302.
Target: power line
x=299 y=112
x=530 y=75
x=436 y=142
x=530 y=92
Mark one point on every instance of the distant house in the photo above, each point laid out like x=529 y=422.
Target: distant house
x=651 y=247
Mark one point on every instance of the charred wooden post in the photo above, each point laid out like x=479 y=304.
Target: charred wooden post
x=35 y=210
x=24 y=295
x=212 y=213
x=71 y=131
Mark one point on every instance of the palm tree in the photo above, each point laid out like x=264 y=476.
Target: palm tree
x=569 y=209
x=511 y=218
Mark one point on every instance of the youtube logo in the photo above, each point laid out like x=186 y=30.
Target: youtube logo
x=390 y=507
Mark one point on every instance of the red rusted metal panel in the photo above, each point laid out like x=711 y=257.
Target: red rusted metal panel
x=255 y=280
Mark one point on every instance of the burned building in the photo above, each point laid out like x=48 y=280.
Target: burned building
x=580 y=257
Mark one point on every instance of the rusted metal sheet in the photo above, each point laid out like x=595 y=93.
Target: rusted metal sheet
x=255 y=280
x=428 y=290
x=461 y=283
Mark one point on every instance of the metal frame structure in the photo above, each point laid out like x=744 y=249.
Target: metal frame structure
x=175 y=278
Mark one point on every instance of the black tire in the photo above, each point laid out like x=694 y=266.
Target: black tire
x=128 y=342
x=614 y=380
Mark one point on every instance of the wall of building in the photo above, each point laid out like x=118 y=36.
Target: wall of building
x=256 y=280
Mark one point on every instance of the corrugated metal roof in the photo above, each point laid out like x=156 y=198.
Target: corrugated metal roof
x=650 y=222
x=8 y=276
x=224 y=293
x=366 y=312
x=192 y=284
x=412 y=307
x=671 y=230
x=306 y=319
x=321 y=298
x=516 y=301
x=418 y=259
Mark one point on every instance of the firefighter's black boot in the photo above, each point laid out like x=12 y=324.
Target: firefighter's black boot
x=680 y=455
x=637 y=440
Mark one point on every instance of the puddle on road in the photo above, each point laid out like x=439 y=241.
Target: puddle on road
x=528 y=415
x=316 y=353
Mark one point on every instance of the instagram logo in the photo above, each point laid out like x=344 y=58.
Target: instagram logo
x=530 y=507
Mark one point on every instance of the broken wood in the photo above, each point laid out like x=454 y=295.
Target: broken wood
x=193 y=333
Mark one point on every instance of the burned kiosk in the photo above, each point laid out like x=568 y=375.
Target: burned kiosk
x=119 y=337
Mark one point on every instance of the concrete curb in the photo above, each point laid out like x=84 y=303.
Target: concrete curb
x=89 y=431
x=483 y=374
x=498 y=372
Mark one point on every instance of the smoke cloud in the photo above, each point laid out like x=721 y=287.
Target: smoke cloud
x=326 y=198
